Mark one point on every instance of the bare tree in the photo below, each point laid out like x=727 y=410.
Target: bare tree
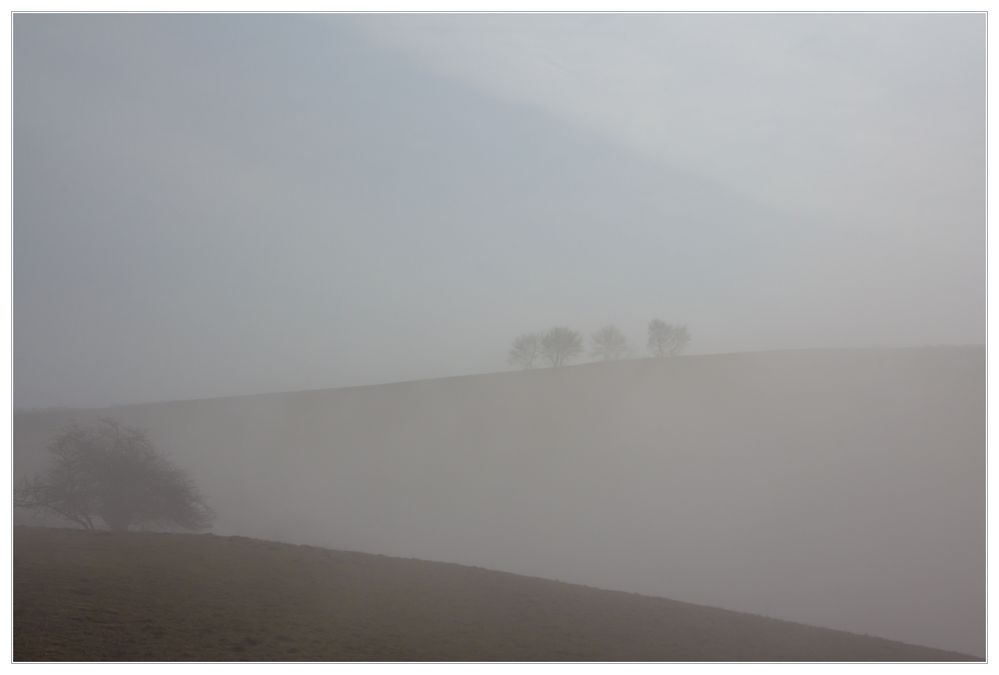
x=667 y=339
x=560 y=345
x=609 y=344
x=526 y=350
x=114 y=474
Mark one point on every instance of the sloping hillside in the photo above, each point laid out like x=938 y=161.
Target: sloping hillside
x=838 y=488
x=164 y=597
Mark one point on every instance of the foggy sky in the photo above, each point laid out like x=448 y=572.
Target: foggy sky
x=211 y=205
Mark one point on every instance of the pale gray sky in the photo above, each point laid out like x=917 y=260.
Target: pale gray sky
x=218 y=204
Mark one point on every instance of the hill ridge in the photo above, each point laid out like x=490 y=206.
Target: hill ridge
x=497 y=373
x=788 y=484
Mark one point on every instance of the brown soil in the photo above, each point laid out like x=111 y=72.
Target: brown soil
x=82 y=596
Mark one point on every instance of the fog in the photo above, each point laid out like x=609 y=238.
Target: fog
x=217 y=205
x=212 y=209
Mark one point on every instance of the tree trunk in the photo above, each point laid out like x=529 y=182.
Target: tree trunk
x=116 y=522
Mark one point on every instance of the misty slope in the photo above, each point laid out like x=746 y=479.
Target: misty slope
x=838 y=488
x=93 y=597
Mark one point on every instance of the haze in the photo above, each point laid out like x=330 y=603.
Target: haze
x=228 y=207
x=216 y=205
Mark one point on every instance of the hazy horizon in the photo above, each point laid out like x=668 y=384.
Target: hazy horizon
x=500 y=369
x=215 y=205
x=208 y=207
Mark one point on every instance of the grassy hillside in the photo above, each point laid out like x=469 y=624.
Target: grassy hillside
x=92 y=597
x=840 y=488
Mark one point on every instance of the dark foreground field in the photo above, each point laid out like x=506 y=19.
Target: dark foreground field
x=161 y=597
x=841 y=488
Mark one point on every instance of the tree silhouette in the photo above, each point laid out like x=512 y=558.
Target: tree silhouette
x=666 y=339
x=114 y=474
x=526 y=350
x=560 y=345
x=609 y=344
